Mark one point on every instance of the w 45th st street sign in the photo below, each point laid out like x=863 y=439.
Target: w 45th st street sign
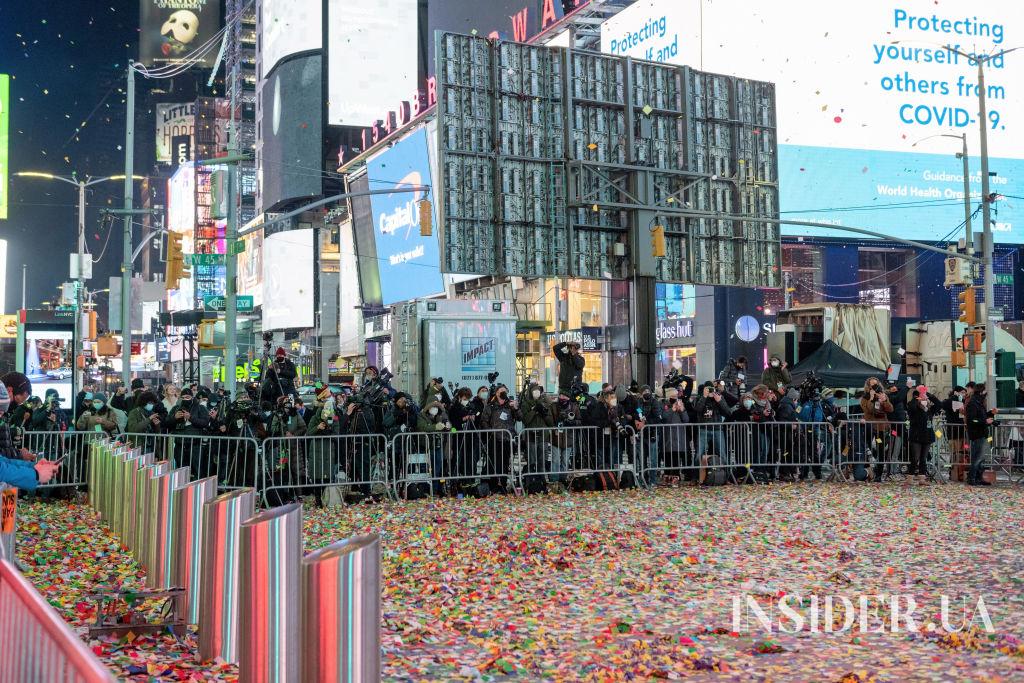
x=218 y=303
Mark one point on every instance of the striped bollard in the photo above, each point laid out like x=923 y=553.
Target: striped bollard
x=131 y=497
x=142 y=538
x=269 y=596
x=121 y=468
x=161 y=551
x=341 y=612
x=219 y=568
x=188 y=510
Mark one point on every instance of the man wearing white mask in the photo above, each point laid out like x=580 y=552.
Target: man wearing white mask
x=776 y=376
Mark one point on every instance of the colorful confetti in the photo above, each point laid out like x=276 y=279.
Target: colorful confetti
x=630 y=585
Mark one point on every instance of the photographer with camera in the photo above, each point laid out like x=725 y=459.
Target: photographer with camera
x=322 y=463
x=677 y=436
x=712 y=410
x=872 y=434
x=501 y=413
x=50 y=417
x=433 y=421
x=435 y=391
x=923 y=406
x=279 y=377
x=812 y=447
x=567 y=441
x=358 y=419
x=734 y=378
x=612 y=426
x=537 y=413
x=570 y=364
x=465 y=417
x=98 y=417
x=189 y=419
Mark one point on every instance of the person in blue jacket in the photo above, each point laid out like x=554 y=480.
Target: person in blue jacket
x=15 y=470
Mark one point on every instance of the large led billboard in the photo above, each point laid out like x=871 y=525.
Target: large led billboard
x=173 y=120
x=5 y=118
x=289 y=27
x=859 y=88
x=181 y=219
x=288 y=279
x=48 y=361
x=372 y=57
x=292 y=146
x=171 y=31
x=408 y=263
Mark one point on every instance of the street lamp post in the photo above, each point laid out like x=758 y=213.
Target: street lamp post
x=986 y=221
x=82 y=185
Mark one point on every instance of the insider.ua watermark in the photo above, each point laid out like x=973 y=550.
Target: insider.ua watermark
x=881 y=613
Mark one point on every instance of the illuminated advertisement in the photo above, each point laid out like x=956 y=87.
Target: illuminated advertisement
x=171 y=31
x=288 y=280
x=249 y=280
x=181 y=218
x=48 y=361
x=173 y=120
x=289 y=27
x=872 y=98
x=408 y=263
x=381 y=37
x=5 y=116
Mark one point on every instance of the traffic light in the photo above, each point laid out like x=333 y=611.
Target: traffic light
x=658 y=241
x=426 y=220
x=968 y=306
x=177 y=269
x=959 y=359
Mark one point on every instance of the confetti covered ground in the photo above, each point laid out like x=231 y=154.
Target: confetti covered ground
x=634 y=585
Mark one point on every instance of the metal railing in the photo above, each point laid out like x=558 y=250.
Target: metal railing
x=73 y=447
x=38 y=646
x=233 y=460
x=563 y=455
x=325 y=466
x=474 y=462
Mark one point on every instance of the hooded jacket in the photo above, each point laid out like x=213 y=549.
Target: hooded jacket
x=537 y=413
x=773 y=377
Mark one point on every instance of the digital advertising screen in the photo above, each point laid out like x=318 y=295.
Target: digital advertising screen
x=173 y=120
x=170 y=31
x=288 y=279
x=292 y=150
x=288 y=28
x=408 y=262
x=48 y=362
x=381 y=38
x=867 y=94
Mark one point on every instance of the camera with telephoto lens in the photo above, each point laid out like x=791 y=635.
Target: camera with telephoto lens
x=811 y=387
x=375 y=391
x=673 y=380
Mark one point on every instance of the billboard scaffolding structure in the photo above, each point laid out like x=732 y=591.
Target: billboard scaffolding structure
x=557 y=162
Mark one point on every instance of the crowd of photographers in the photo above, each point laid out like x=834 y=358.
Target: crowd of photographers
x=708 y=433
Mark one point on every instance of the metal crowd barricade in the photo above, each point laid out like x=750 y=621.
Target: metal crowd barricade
x=74 y=447
x=564 y=454
x=1005 y=454
x=233 y=460
x=873 y=450
x=328 y=467
x=676 y=452
x=38 y=645
x=434 y=463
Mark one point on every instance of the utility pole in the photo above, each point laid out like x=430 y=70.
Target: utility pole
x=987 y=251
x=126 y=265
x=968 y=238
x=24 y=275
x=230 y=239
x=76 y=382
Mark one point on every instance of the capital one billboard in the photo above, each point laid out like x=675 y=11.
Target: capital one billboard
x=408 y=263
x=865 y=93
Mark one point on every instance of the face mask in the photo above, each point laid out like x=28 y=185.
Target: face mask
x=647 y=396
x=613 y=402
x=535 y=393
x=88 y=395
x=464 y=402
x=502 y=397
x=433 y=412
x=329 y=401
x=747 y=403
x=203 y=402
x=149 y=407
x=483 y=395
x=239 y=423
x=775 y=363
x=266 y=413
x=97 y=405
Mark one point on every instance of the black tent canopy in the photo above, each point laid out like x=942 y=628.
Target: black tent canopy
x=835 y=367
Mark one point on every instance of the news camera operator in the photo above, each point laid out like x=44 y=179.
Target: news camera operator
x=50 y=417
x=279 y=378
x=677 y=436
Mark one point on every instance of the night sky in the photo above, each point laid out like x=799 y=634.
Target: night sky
x=67 y=62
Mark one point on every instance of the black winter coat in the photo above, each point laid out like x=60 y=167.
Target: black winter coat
x=921 y=430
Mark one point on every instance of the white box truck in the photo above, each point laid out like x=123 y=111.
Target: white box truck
x=460 y=340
